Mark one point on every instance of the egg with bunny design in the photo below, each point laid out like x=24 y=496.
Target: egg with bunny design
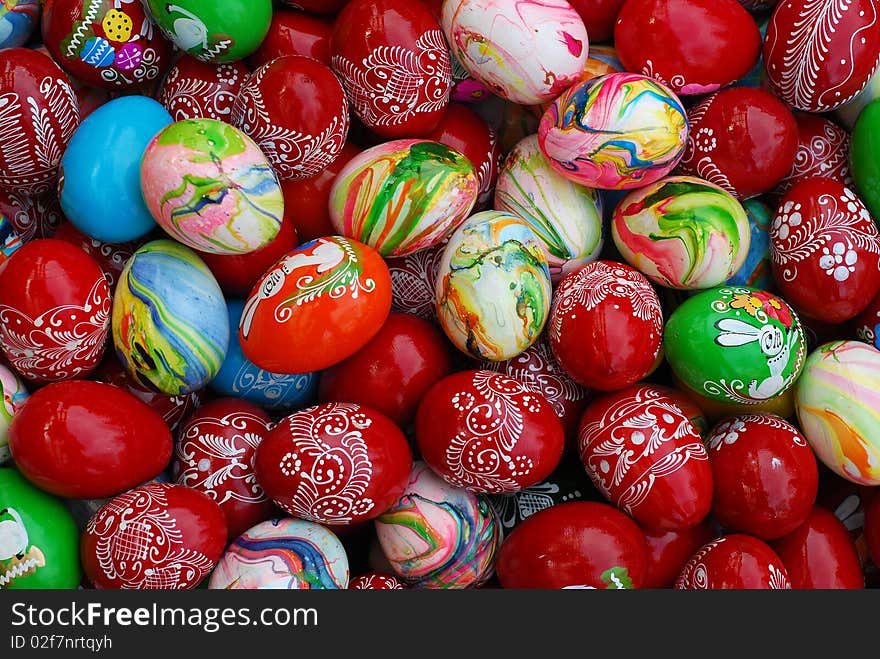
x=735 y=344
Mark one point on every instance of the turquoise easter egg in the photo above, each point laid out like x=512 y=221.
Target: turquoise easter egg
x=18 y=18
x=755 y=270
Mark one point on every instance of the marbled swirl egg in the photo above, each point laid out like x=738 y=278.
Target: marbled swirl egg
x=12 y=397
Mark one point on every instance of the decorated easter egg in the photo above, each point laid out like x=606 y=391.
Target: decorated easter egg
x=9 y=240
x=756 y=270
x=111 y=257
x=18 y=18
x=599 y=17
x=825 y=250
x=376 y=581
x=32 y=216
x=618 y=132
x=682 y=232
x=438 y=536
x=392 y=373
x=210 y=187
x=100 y=184
x=283 y=554
x=735 y=345
x=487 y=432
x=848 y=113
x=169 y=319
x=669 y=551
x=39 y=539
x=40 y=115
x=646 y=457
x=318 y=305
x=336 y=463
x=527 y=53
x=734 y=562
x=300 y=133
x=865 y=168
x=820 y=53
x=158 y=536
x=581 y=545
x=618 y=309
x=105 y=43
x=413 y=278
x=13 y=394
x=764 y=474
x=742 y=139
x=238 y=377
x=88 y=440
x=566 y=216
x=393 y=62
x=823 y=150
x=692 y=46
x=602 y=61
x=294 y=33
x=213 y=30
x=193 y=89
x=54 y=311
x=493 y=286
x=403 y=196
x=837 y=407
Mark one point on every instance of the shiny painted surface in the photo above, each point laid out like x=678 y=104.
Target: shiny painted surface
x=295 y=33
x=194 y=89
x=734 y=562
x=668 y=551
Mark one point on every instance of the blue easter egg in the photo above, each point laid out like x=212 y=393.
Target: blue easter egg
x=240 y=378
x=17 y=22
x=755 y=270
x=100 y=186
x=98 y=52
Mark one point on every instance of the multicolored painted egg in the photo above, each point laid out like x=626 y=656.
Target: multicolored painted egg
x=109 y=44
x=32 y=216
x=602 y=61
x=18 y=18
x=88 y=440
x=825 y=251
x=616 y=307
x=238 y=377
x=646 y=457
x=40 y=113
x=692 y=46
x=412 y=281
x=9 y=240
x=376 y=581
x=39 y=540
x=823 y=150
x=756 y=270
x=300 y=132
x=393 y=62
x=493 y=286
x=13 y=394
x=742 y=139
x=682 y=232
x=669 y=551
x=526 y=52
x=820 y=53
x=438 y=536
x=576 y=545
x=283 y=554
x=735 y=345
x=213 y=30
x=618 y=132
x=169 y=319
x=566 y=216
x=403 y=196
x=158 y=536
x=54 y=311
x=294 y=33
x=209 y=186
x=487 y=432
x=111 y=257
x=865 y=168
x=321 y=303
x=193 y=89
x=837 y=407
x=734 y=562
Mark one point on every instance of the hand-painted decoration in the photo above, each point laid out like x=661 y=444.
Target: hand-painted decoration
x=18 y=19
x=13 y=394
x=195 y=90
x=756 y=269
x=32 y=216
x=823 y=150
x=376 y=581
x=736 y=561
x=413 y=278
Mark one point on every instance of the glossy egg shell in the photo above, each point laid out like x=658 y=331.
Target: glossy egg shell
x=734 y=562
x=668 y=551
x=295 y=33
x=111 y=257
x=17 y=22
x=13 y=394
x=193 y=89
x=413 y=278
x=32 y=216
x=823 y=150
x=599 y=17
x=755 y=270
x=376 y=581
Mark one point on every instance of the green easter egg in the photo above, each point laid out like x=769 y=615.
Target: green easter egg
x=865 y=156
x=735 y=344
x=39 y=541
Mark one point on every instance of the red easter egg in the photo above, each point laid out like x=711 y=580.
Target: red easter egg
x=872 y=529
x=487 y=432
x=765 y=475
x=113 y=45
x=294 y=33
x=111 y=257
x=668 y=551
x=823 y=150
x=394 y=63
x=413 y=281
x=32 y=216
x=214 y=454
x=818 y=54
x=599 y=17
x=158 y=536
x=691 y=46
x=734 y=562
x=295 y=109
x=336 y=464
x=321 y=303
x=825 y=251
x=820 y=554
x=580 y=544
x=645 y=456
x=742 y=139
x=193 y=89
x=618 y=309
x=376 y=581
x=54 y=311
x=317 y=6
x=38 y=115
x=88 y=440
x=392 y=373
